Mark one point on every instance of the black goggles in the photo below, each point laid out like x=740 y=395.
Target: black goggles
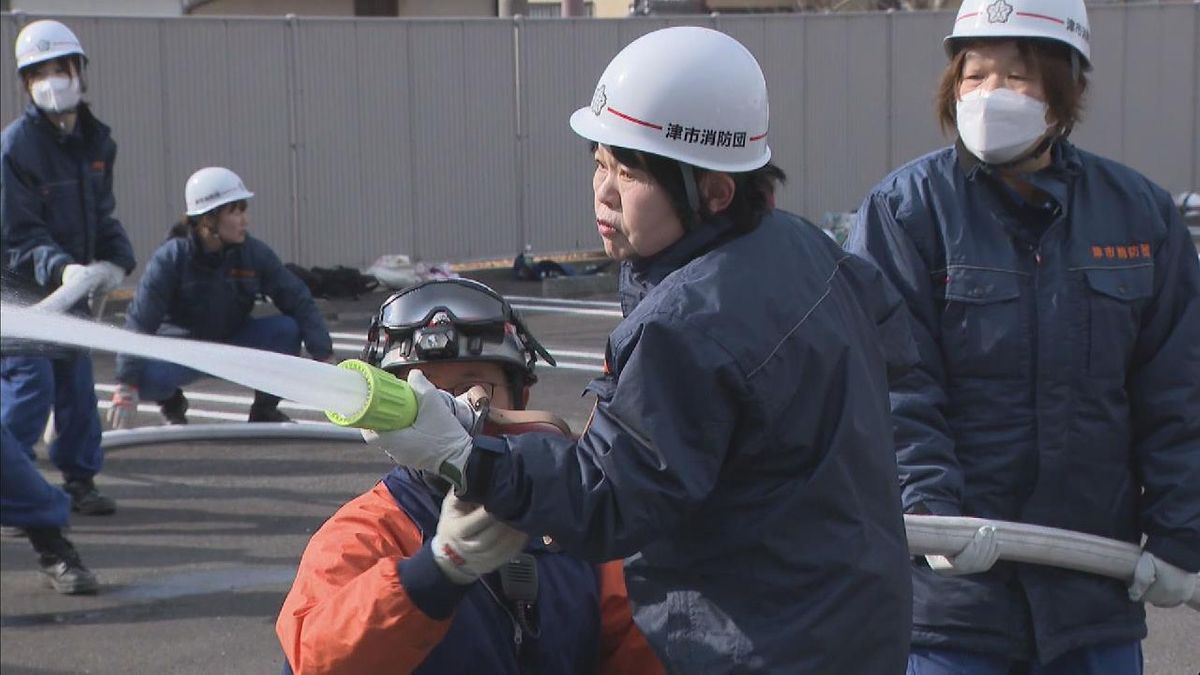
x=468 y=304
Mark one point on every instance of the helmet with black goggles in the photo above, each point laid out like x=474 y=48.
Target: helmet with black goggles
x=452 y=320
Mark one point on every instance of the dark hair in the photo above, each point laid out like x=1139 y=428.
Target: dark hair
x=72 y=63
x=753 y=197
x=184 y=226
x=1063 y=87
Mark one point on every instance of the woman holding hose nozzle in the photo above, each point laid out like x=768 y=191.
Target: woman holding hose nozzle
x=739 y=454
x=1056 y=300
x=202 y=284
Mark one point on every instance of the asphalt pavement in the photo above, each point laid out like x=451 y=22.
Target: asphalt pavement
x=196 y=561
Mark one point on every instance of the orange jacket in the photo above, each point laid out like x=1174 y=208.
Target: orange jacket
x=347 y=611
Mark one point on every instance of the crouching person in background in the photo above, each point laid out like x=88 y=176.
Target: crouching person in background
x=202 y=284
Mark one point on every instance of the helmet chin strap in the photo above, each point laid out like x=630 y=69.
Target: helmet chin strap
x=689 y=186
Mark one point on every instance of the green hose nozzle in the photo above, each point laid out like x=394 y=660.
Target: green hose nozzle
x=390 y=405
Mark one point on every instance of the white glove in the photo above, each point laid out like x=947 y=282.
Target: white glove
x=109 y=276
x=437 y=441
x=1160 y=583
x=73 y=273
x=977 y=556
x=470 y=542
x=124 y=407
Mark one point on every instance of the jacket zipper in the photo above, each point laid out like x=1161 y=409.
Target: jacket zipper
x=518 y=634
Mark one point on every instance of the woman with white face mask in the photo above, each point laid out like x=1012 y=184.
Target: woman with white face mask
x=56 y=227
x=1056 y=304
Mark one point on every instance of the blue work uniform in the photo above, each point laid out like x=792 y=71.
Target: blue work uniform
x=738 y=457
x=1058 y=385
x=188 y=292
x=56 y=208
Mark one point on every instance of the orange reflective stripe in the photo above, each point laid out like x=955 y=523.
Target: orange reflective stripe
x=347 y=611
x=623 y=648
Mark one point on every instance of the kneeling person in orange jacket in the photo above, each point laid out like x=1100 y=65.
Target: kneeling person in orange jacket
x=406 y=578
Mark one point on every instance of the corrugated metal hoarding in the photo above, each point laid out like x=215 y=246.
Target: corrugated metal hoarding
x=448 y=139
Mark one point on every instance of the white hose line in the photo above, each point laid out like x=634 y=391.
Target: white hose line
x=1019 y=542
x=66 y=295
x=927 y=535
x=182 y=433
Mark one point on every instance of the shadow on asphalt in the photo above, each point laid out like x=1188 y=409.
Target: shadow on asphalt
x=210 y=605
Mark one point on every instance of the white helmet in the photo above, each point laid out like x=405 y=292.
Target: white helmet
x=688 y=93
x=43 y=41
x=1064 y=21
x=211 y=187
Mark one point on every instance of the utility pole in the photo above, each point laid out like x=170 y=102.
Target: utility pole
x=511 y=8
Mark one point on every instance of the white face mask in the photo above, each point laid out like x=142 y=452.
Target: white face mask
x=998 y=125
x=56 y=94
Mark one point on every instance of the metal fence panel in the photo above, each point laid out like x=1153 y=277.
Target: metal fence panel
x=12 y=98
x=916 y=64
x=782 y=58
x=1159 y=77
x=128 y=90
x=384 y=121
x=561 y=61
x=257 y=149
x=489 y=97
x=328 y=81
x=463 y=139
x=845 y=117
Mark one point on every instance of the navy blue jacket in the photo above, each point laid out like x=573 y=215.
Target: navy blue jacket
x=56 y=197
x=739 y=457
x=566 y=635
x=210 y=295
x=1059 y=383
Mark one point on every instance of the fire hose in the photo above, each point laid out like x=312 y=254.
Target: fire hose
x=927 y=535
x=1035 y=544
x=65 y=296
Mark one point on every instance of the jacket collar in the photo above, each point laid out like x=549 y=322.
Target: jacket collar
x=1064 y=158
x=212 y=259
x=87 y=126
x=640 y=275
x=1055 y=180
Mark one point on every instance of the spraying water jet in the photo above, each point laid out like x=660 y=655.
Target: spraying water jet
x=352 y=393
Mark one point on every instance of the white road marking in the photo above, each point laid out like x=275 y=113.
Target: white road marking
x=562 y=301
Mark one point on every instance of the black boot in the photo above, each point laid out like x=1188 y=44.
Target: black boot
x=174 y=409
x=86 y=499
x=266 y=409
x=59 y=562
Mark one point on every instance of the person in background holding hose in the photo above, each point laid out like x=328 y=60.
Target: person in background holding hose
x=1056 y=300
x=40 y=511
x=57 y=227
x=739 y=454
x=202 y=284
x=408 y=578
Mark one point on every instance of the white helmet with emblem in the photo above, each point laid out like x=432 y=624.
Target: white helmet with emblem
x=691 y=94
x=1064 y=21
x=44 y=41
x=211 y=187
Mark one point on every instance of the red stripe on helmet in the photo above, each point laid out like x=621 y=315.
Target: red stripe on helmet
x=759 y=137
x=1040 y=16
x=634 y=119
